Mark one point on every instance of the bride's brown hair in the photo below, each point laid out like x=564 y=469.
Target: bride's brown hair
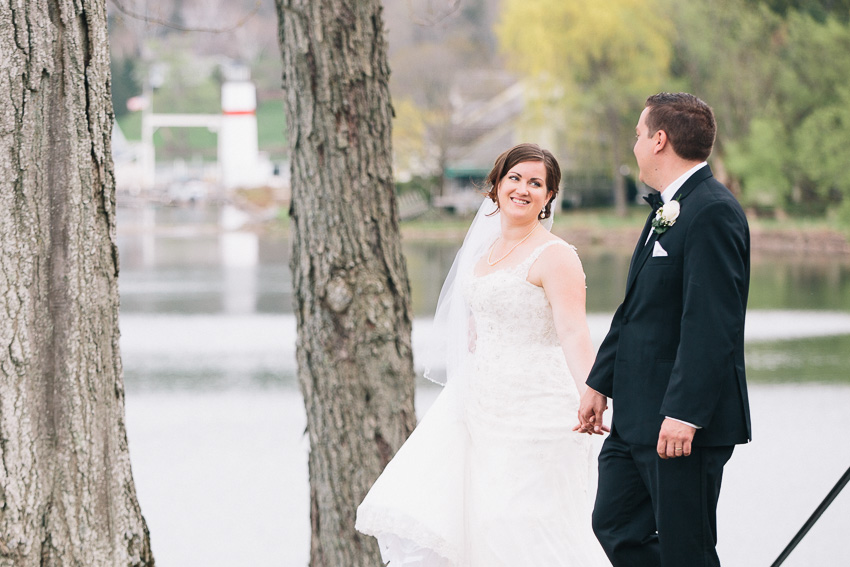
x=519 y=154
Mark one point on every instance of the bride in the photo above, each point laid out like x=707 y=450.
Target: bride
x=494 y=475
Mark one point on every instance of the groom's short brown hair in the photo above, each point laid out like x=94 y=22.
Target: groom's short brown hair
x=688 y=122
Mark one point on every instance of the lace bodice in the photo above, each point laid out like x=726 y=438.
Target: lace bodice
x=516 y=352
x=508 y=310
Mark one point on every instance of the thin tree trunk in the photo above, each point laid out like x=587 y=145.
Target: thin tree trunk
x=351 y=289
x=66 y=490
x=615 y=131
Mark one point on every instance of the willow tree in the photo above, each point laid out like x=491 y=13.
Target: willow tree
x=595 y=62
x=352 y=299
x=66 y=490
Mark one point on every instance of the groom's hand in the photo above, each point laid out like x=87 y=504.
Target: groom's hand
x=592 y=406
x=675 y=439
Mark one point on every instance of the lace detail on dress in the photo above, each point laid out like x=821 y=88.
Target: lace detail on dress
x=509 y=310
x=401 y=535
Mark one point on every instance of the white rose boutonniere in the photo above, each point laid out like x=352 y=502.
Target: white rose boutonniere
x=666 y=216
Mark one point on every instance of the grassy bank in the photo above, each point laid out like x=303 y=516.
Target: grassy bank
x=601 y=227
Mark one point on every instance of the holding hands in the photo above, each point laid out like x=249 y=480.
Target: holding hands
x=592 y=406
x=674 y=439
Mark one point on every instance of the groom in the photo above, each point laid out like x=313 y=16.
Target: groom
x=673 y=361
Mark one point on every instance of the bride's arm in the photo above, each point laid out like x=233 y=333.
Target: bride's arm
x=562 y=278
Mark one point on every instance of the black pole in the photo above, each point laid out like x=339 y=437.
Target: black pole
x=842 y=482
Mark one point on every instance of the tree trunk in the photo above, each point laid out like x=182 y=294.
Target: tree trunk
x=66 y=490
x=352 y=298
x=615 y=131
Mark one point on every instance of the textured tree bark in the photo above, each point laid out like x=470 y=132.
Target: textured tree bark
x=352 y=296
x=66 y=490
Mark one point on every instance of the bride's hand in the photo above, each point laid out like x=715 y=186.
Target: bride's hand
x=590 y=413
x=589 y=429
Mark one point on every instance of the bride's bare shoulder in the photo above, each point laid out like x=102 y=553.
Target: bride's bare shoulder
x=560 y=249
x=558 y=262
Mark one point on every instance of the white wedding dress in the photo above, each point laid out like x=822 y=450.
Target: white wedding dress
x=494 y=476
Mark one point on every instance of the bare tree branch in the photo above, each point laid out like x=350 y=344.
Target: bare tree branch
x=136 y=16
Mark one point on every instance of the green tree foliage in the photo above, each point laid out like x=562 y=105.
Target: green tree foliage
x=762 y=163
x=787 y=138
x=815 y=105
x=601 y=59
x=725 y=54
x=776 y=73
x=818 y=9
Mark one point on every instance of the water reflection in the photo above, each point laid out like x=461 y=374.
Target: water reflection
x=195 y=272
x=821 y=359
x=177 y=260
x=180 y=261
x=800 y=282
x=239 y=260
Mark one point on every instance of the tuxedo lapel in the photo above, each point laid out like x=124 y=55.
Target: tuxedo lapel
x=639 y=249
x=640 y=258
x=642 y=251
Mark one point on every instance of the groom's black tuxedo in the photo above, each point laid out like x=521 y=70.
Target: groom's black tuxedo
x=676 y=344
x=675 y=349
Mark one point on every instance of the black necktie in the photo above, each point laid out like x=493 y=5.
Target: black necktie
x=654 y=200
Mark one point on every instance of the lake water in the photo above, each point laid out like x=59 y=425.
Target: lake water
x=216 y=423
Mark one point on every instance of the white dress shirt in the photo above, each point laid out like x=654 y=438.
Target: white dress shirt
x=668 y=193
x=673 y=187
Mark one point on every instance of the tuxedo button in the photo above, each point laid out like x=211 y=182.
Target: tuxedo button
x=625 y=320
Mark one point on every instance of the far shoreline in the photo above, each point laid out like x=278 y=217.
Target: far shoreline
x=580 y=227
x=604 y=229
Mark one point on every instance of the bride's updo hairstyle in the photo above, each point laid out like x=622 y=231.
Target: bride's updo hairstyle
x=519 y=154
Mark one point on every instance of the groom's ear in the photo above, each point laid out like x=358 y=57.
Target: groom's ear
x=660 y=141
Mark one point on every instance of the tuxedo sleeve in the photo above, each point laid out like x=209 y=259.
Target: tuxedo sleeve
x=601 y=377
x=714 y=296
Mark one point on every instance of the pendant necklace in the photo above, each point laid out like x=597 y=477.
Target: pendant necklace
x=491 y=262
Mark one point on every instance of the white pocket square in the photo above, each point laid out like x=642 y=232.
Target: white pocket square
x=657 y=250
